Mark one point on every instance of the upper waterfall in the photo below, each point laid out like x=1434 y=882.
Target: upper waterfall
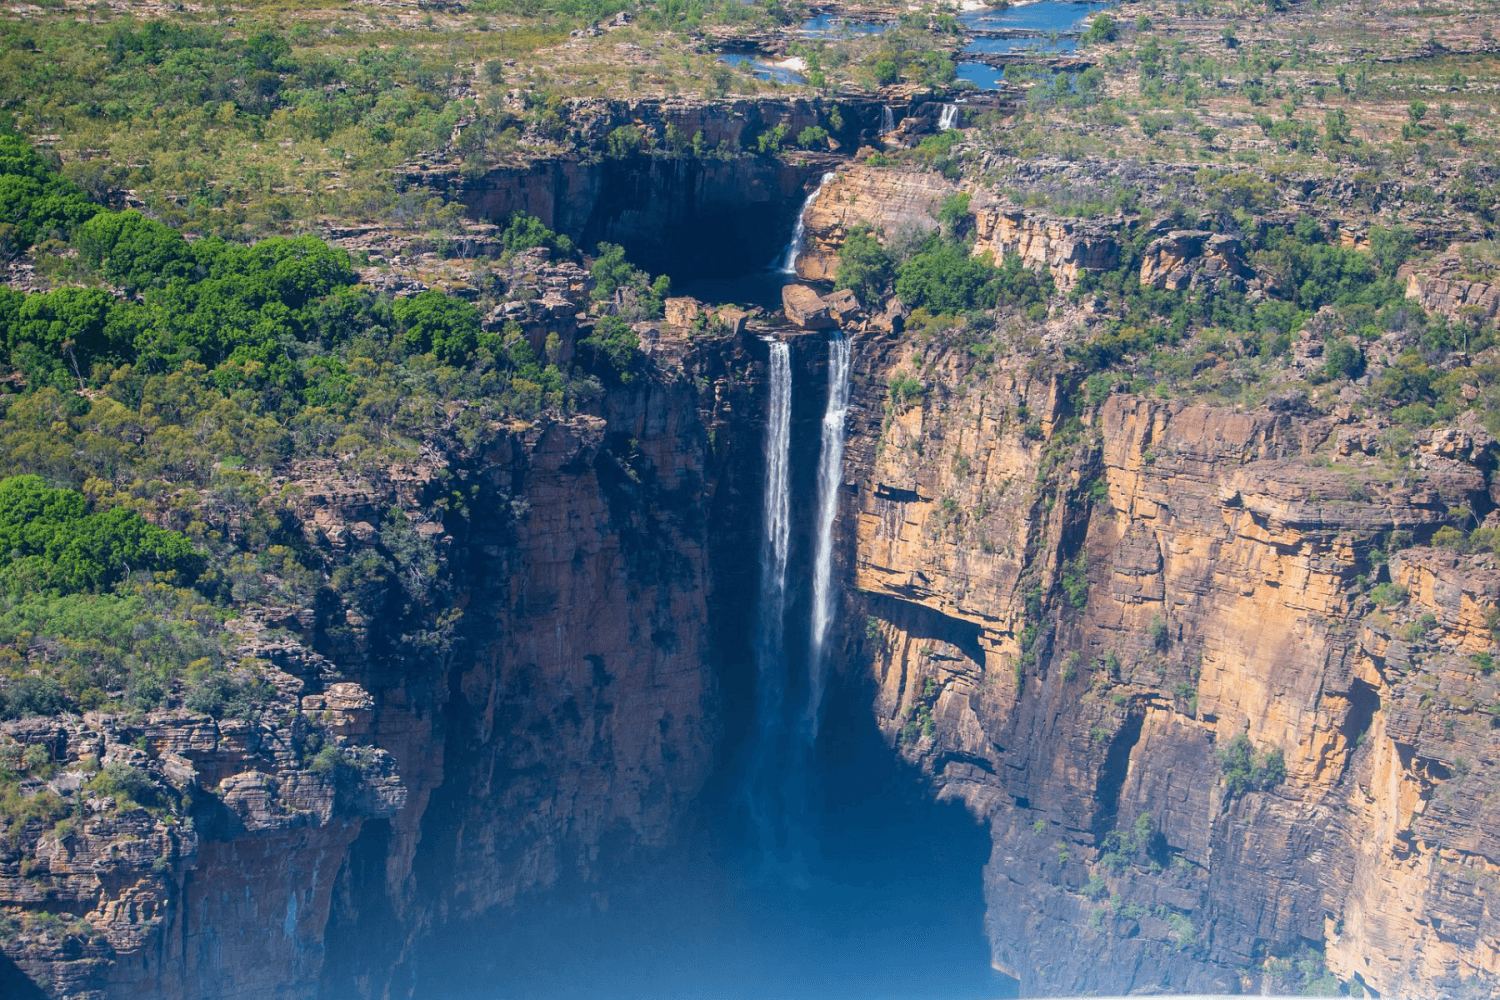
x=794 y=248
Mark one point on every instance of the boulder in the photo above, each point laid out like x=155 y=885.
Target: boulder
x=733 y=320
x=1188 y=258
x=682 y=311
x=843 y=306
x=892 y=318
x=806 y=308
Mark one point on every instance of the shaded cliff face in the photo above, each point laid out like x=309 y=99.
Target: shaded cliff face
x=706 y=211
x=1069 y=622
x=686 y=217
x=572 y=702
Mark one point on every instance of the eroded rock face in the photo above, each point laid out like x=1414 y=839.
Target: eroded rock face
x=573 y=696
x=892 y=201
x=1447 y=288
x=1065 y=247
x=1185 y=258
x=1087 y=641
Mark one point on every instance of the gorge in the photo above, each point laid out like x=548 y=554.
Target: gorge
x=600 y=523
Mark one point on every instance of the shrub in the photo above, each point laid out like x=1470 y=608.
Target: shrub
x=617 y=343
x=905 y=388
x=1342 y=359
x=1158 y=631
x=523 y=232
x=1246 y=770
x=127 y=784
x=31 y=695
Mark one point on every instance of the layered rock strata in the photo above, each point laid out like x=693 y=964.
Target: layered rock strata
x=1107 y=631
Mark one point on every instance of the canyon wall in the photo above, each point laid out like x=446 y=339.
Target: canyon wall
x=1073 y=617
x=567 y=697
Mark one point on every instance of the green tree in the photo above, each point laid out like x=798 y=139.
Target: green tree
x=446 y=327
x=1391 y=247
x=864 y=266
x=49 y=541
x=813 y=137
x=945 y=278
x=523 y=232
x=133 y=251
x=1343 y=359
x=624 y=142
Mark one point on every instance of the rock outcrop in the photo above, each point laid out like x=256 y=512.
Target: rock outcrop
x=806 y=308
x=892 y=201
x=1190 y=258
x=1445 y=287
x=1064 y=247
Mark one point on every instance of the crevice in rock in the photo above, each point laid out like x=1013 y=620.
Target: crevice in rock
x=1112 y=774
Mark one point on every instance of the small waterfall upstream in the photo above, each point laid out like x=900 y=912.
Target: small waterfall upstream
x=830 y=475
x=948 y=118
x=887 y=120
x=776 y=533
x=794 y=248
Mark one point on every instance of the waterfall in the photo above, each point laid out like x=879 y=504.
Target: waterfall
x=948 y=118
x=887 y=120
x=830 y=474
x=770 y=655
x=794 y=248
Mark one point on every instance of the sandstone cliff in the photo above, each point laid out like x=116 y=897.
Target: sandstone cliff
x=1071 y=615
x=902 y=201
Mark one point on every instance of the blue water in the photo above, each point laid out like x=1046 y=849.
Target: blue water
x=1044 y=17
x=1049 y=15
x=763 y=70
x=987 y=77
x=832 y=24
x=1042 y=44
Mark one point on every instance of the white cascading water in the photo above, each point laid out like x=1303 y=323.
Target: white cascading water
x=887 y=121
x=830 y=475
x=948 y=118
x=775 y=543
x=794 y=248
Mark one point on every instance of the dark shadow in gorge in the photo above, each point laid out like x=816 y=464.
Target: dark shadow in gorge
x=694 y=218
x=880 y=899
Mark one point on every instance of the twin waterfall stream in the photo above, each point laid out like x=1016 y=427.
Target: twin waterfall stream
x=780 y=755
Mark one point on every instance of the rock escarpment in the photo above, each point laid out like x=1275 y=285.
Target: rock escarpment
x=893 y=201
x=1108 y=631
x=1064 y=247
